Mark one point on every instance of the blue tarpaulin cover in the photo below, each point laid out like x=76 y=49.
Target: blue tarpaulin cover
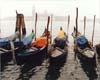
x=24 y=41
x=81 y=40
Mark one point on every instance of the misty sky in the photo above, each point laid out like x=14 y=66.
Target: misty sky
x=87 y=8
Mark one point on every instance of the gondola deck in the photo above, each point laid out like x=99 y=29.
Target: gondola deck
x=82 y=46
x=87 y=53
x=5 y=44
x=58 y=52
x=30 y=51
x=57 y=56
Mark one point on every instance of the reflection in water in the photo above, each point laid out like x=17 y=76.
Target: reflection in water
x=54 y=69
x=89 y=68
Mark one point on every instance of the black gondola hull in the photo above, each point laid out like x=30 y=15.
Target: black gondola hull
x=81 y=55
x=33 y=57
x=21 y=59
x=59 y=58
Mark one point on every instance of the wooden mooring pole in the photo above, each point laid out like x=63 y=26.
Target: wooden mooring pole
x=47 y=32
x=51 y=29
x=35 y=25
x=68 y=24
x=84 y=24
x=47 y=46
x=76 y=22
x=13 y=52
x=93 y=30
x=75 y=44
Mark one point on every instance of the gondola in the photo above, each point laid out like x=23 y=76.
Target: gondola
x=6 y=50
x=38 y=48
x=36 y=52
x=58 y=51
x=5 y=45
x=82 y=46
x=32 y=54
x=5 y=41
x=28 y=50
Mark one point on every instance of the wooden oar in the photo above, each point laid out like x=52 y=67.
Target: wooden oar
x=5 y=50
x=93 y=29
x=68 y=24
x=76 y=22
x=84 y=24
x=35 y=25
x=13 y=52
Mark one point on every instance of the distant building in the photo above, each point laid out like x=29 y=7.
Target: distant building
x=40 y=16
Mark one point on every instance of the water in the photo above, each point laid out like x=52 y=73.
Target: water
x=8 y=28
